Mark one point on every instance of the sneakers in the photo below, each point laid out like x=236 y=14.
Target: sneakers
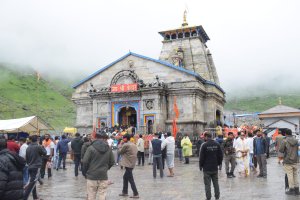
x=123 y=195
x=297 y=193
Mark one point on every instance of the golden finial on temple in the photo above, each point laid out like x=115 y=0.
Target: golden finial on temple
x=184 y=19
x=279 y=99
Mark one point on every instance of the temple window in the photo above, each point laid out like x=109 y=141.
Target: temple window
x=167 y=37
x=187 y=34
x=174 y=36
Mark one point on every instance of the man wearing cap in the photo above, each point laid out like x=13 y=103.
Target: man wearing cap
x=97 y=160
x=129 y=157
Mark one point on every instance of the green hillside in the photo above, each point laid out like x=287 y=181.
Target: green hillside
x=21 y=95
x=261 y=103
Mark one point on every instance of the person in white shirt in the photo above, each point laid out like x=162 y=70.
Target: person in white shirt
x=169 y=143
x=22 y=153
x=110 y=141
x=150 y=158
x=55 y=157
x=250 y=144
x=242 y=155
x=141 y=150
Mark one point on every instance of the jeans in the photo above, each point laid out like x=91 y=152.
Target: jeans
x=33 y=173
x=77 y=163
x=141 y=157
x=262 y=163
x=187 y=160
x=230 y=159
x=62 y=157
x=25 y=175
x=251 y=160
x=163 y=161
x=255 y=161
x=119 y=158
x=208 y=178
x=157 y=162
x=128 y=177
x=150 y=158
x=55 y=161
x=180 y=154
x=43 y=168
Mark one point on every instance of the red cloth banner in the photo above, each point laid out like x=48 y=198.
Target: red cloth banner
x=174 y=128
x=124 y=87
x=176 y=111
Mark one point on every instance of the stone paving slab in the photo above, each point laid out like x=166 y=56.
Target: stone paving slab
x=187 y=184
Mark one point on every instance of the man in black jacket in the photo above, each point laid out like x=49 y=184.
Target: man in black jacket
x=229 y=152
x=34 y=159
x=76 y=145
x=211 y=157
x=11 y=174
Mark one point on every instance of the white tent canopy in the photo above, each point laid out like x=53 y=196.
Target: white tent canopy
x=27 y=124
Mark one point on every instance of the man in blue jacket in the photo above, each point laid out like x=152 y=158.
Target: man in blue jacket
x=62 y=148
x=260 y=152
x=211 y=157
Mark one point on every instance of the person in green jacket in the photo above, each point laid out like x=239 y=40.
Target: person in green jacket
x=186 y=148
x=97 y=160
x=289 y=148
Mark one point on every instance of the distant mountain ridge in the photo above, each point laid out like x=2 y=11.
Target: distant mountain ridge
x=22 y=95
x=262 y=102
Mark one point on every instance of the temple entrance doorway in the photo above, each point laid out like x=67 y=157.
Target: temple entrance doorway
x=127 y=117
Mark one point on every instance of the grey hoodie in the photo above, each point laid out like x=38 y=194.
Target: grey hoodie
x=290 y=149
x=97 y=160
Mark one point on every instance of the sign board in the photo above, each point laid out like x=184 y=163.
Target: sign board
x=124 y=87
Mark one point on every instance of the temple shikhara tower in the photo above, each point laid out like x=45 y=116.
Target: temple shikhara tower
x=140 y=91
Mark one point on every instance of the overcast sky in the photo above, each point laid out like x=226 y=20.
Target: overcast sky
x=252 y=41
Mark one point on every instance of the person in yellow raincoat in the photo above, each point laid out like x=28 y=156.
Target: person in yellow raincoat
x=186 y=145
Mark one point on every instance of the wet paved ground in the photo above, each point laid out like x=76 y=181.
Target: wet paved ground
x=187 y=184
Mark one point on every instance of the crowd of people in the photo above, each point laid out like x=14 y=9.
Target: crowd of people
x=247 y=151
x=25 y=164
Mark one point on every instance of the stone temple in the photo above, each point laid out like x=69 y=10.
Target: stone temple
x=140 y=91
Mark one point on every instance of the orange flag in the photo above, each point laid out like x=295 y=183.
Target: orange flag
x=174 y=128
x=275 y=135
x=176 y=111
